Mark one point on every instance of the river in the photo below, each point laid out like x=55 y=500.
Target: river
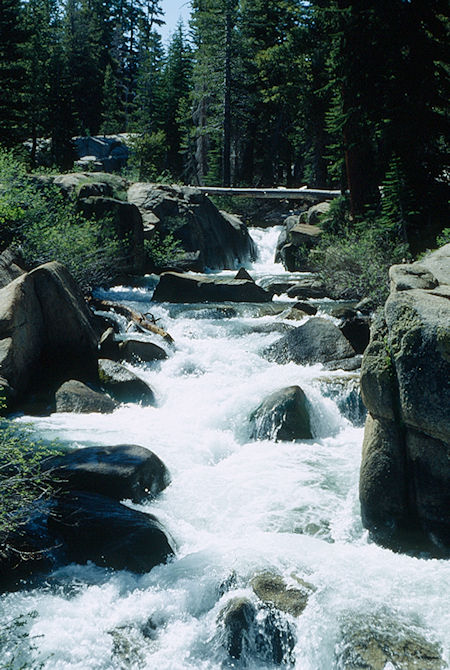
x=234 y=508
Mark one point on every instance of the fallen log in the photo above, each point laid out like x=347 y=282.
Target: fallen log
x=136 y=317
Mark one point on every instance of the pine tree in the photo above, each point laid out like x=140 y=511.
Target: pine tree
x=13 y=37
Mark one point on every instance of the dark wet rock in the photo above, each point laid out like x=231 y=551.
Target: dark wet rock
x=98 y=529
x=123 y=385
x=366 y=306
x=284 y=415
x=405 y=383
x=294 y=243
x=108 y=345
x=245 y=634
x=305 y=307
x=316 y=341
x=295 y=315
x=124 y=471
x=309 y=287
x=346 y=364
x=221 y=239
x=375 y=643
x=243 y=274
x=271 y=589
x=143 y=350
x=174 y=287
x=278 y=288
x=346 y=393
x=74 y=396
x=357 y=331
x=47 y=331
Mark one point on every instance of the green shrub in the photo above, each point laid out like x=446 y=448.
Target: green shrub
x=35 y=215
x=443 y=238
x=356 y=265
x=22 y=479
x=162 y=251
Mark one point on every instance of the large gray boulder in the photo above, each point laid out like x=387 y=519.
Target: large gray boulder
x=119 y=472
x=294 y=243
x=74 y=396
x=283 y=415
x=316 y=341
x=405 y=385
x=47 y=332
x=177 y=287
x=102 y=152
x=10 y=266
x=221 y=239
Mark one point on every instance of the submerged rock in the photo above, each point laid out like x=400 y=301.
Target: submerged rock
x=125 y=471
x=271 y=589
x=98 y=529
x=375 y=644
x=316 y=341
x=175 y=287
x=248 y=633
x=74 y=396
x=284 y=415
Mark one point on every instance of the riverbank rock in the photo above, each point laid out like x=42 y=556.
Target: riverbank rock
x=125 y=221
x=284 y=415
x=221 y=239
x=124 y=471
x=74 y=396
x=294 y=244
x=11 y=266
x=405 y=384
x=314 y=213
x=47 y=332
x=123 y=385
x=98 y=529
x=175 y=287
x=378 y=643
x=316 y=341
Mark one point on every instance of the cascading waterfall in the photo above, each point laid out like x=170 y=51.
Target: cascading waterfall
x=235 y=508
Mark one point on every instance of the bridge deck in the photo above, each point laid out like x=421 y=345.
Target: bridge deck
x=302 y=193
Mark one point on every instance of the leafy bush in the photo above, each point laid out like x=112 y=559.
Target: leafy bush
x=356 y=265
x=162 y=251
x=35 y=215
x=443 y=238
x=22 y=479
x=148 y=156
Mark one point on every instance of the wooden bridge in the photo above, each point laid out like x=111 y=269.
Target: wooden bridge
x=280 y=193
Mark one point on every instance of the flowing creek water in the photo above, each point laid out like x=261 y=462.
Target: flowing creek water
x=234 y=508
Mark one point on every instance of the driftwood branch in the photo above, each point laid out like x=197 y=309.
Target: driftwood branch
x=132 y=315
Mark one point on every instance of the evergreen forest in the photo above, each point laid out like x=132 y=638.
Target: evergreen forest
x=348 y=94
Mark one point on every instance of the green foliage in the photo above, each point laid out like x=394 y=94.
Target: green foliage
x=443 y=238
x=337 y=220
x=148 y=155
x=162 y=251
x=22 y=478
x=47 y=227
x=355 y=265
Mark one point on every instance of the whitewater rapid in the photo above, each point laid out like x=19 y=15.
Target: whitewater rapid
x=234 y=508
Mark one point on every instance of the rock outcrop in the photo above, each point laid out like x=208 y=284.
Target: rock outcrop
x=177 y=287
x=47 y=331
x=74 y=396
x=405 y=384
x=221 y=240
x=295 y=242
